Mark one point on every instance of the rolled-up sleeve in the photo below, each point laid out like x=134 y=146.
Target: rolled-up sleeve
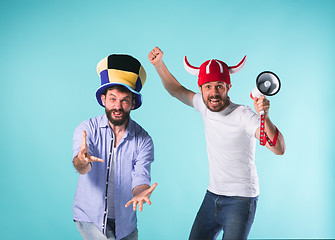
x=143 y=160
x=78 y=136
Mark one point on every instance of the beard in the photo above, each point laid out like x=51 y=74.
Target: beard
x=117 y=121
x=217 y=98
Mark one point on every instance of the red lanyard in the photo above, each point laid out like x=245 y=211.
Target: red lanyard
x=264 y=137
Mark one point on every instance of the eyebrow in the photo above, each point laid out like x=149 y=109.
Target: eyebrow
x=208 y=84
x=113 y=95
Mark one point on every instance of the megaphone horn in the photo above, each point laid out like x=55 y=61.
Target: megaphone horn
x=267 y=83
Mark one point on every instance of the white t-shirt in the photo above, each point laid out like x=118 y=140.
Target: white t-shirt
x=231 y=143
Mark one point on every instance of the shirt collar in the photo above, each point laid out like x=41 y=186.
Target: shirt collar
x=130 y=128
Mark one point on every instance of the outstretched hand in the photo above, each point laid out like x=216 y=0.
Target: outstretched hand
x=84 y=155
x=141 y=198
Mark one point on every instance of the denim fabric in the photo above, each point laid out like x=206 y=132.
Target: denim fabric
x=90 y=232
x=233 y=215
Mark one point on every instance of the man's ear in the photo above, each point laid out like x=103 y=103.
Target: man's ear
x=200 y=88
x=229 y=86
x=103 y=99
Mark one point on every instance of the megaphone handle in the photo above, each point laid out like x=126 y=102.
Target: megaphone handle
x=263 y=137
x=262 y=128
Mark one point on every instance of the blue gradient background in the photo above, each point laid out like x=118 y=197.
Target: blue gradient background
x=49 y=52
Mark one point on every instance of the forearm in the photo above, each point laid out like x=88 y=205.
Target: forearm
x=170 y=83
x=82 y=167
x=140 y=189
x=173 y=87
x=271 y=129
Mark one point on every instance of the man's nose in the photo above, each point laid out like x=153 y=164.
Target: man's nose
x=215 y=90
x=118 y=105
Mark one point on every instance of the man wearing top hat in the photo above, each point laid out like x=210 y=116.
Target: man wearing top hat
x=231 y=131
x=113 y=154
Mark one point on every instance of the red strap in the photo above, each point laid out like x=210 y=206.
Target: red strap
x=264 y=137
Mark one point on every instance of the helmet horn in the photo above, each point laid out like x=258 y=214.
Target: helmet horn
x=238 y=67
x=191 y=69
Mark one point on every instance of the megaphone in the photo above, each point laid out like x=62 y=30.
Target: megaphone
x=267 y=83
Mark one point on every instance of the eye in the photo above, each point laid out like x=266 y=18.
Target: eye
x=126 y=101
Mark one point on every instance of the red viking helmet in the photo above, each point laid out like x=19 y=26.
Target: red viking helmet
x=213 y=70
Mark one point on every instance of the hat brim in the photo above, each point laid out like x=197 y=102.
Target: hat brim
x=102 y=89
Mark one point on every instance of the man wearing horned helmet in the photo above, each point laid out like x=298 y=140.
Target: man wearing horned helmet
x=231 y=131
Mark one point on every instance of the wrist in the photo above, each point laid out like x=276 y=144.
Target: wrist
x=159 y=65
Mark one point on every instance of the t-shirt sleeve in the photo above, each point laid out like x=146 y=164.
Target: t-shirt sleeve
x=198 y=103
x=250 y=121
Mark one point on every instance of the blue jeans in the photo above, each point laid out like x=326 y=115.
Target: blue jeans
x=233 y=215
x=90 y=232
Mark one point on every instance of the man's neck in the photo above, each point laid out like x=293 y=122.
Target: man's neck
x=227 y=102
x=119 y=128
x=118 y=131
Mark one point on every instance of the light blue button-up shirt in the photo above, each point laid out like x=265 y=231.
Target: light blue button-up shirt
x=134 y=155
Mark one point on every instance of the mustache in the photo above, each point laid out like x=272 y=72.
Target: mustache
x=116 y=110
x=215 y=97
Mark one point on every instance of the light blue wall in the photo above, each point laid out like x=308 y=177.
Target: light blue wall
x=49 y=51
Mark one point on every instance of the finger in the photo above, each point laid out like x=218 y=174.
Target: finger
x=86 y=158
x=147 y=200
x=82 y=152
x=151 y=56
x=95 y=159
x=157 y=53
x=263 y=104
x=157 y=50
x=152 y=188
x=134 y=205
x=140 y=204
x=260 y=107
x=260 y=103
x=128 y=203
x=83 y=140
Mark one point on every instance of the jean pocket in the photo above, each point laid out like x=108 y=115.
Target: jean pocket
x=245 y=199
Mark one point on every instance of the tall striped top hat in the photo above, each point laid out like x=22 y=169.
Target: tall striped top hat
x=121 y=69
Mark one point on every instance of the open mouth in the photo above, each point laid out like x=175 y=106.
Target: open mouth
x=117 y=114
x=215 y=101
